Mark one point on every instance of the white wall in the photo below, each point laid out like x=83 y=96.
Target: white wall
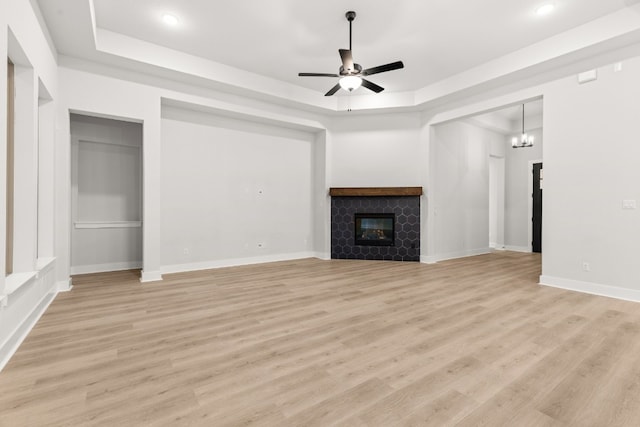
x=459 y=189
x=25 y=294
x=97 y=90
x=518 y=193
x=497 y=173
x=375 y=151
x=106 y=196
x=233 y=192
x=591 y=159
x=496 y=201
x=321 y=198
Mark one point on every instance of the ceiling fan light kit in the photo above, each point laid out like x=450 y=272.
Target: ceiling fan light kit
x=350 y=83
x=351 y=74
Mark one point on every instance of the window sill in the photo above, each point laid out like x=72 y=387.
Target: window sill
x=15 y=281
x=43 y=264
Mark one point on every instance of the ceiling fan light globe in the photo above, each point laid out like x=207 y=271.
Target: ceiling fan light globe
x=350 y=83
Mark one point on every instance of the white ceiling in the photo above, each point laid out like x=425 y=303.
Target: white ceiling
x=276 y=39
x=508 y=120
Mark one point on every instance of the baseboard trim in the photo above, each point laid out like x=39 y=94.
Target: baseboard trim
x=591 y=288
x=428 y=259
x=11 y=345
x=101 y=268
x=325 y=256
x=150 y=276
x=432 y=259
x=517 y=248
x=234 y=262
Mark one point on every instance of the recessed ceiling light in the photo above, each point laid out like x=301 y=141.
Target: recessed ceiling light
x=545 y=9
x=170 y=19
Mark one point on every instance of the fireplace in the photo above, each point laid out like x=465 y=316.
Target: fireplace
x=374 y=229
x=375 y=223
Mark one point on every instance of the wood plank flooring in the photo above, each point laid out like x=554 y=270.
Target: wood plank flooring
x=467 y=342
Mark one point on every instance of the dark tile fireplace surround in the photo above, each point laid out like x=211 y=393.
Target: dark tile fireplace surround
x=404 y=202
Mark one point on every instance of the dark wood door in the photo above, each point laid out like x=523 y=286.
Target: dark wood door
x=537 y=208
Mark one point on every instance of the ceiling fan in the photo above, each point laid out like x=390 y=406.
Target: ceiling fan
x=351 y=73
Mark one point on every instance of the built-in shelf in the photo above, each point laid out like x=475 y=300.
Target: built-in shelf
x=108 y=224
x=375 y=191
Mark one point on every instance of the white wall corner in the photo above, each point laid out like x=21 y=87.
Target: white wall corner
x=325 y=256
x=591 y=288
x=150 y=276
x=428 y=259
x=64 y=285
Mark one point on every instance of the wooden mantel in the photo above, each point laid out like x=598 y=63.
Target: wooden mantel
x=375 y=191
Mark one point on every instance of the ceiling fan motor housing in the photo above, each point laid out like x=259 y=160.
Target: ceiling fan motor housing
x=355 y=72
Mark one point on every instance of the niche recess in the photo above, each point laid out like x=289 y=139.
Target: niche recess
x=106 y=194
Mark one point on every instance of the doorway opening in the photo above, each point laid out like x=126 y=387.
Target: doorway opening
x=481 y=200
x=106 y=195
x=536 y=207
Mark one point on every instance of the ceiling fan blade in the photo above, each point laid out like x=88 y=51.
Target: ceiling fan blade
x=347 y=59
x=333 y=90
x=382 y=68
x=371 y=86
x=317 y=75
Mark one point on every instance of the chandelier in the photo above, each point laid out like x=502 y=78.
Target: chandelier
x=524 y=140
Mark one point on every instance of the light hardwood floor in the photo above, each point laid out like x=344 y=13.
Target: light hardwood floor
x=466 y=342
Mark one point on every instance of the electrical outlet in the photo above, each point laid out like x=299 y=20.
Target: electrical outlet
x=629 y=204
x=586 y=266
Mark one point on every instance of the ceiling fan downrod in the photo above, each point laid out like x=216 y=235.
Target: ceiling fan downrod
x=351 y=15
